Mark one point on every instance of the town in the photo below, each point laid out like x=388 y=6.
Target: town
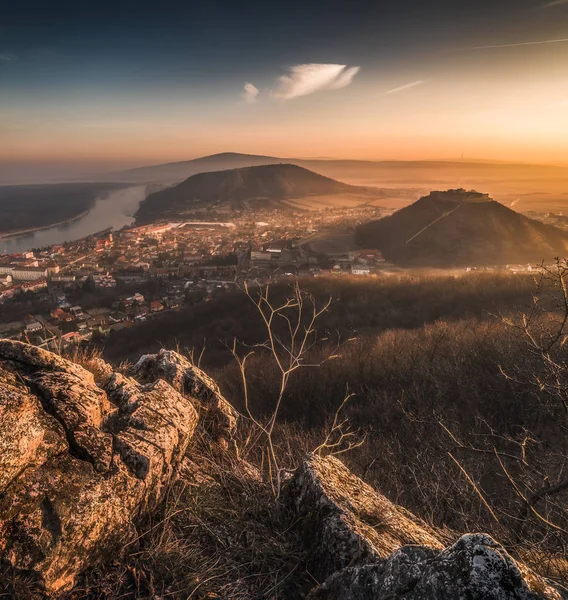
x=84 y=290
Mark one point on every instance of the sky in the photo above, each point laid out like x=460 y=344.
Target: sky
x=111 y=84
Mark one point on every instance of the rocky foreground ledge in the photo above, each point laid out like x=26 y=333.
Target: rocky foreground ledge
x=84 y=454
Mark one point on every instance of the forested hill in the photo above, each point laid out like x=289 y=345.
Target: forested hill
x=261 y=186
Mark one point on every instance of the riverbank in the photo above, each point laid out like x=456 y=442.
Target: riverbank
x=10 y=235
x=114 y=210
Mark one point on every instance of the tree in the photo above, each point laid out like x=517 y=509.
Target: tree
x=291 y=334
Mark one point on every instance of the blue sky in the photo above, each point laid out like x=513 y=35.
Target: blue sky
x=138 y=82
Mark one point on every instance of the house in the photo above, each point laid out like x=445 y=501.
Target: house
x=70 y=338
x=260 y=258
x=369 y=256
x=34 y=326
x=156 y=306
x=97 y=322
x=138 y=298
x=61 y=315
x=77 y=312
x=34 y=286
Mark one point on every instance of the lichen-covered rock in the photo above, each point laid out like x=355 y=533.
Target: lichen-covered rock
x=474 y=568
x=218 y=416
x=155 y=424
x=29 y=436
x=78 y=462
x=344 y=522
x=80 y=406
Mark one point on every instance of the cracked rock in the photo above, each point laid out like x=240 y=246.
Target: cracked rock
x=77 y=462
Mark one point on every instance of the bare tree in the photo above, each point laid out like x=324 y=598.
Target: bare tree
x=339 y=437
x=538 y=480
x=291 y=334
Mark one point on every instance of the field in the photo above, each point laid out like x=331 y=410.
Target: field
x=396 y=199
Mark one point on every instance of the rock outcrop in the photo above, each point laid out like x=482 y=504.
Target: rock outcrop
x=475 y=567
x=345 y=522
x=216 y=414
x=363 y=547
x=77 y=461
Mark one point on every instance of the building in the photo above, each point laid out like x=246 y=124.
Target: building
x=34 y=286
x=77 y=312
x=360 y=270
x=28 y=273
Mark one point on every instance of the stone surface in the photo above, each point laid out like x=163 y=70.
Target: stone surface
x=79 y=462
x=217 y=414
x=345 y=522
x=364 y=547
x=474 y=568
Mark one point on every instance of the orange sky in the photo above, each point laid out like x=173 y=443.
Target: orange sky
x=506 y=100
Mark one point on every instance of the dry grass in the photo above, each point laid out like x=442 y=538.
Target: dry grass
x=219 y=534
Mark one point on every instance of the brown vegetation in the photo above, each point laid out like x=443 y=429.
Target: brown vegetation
x=458 y=398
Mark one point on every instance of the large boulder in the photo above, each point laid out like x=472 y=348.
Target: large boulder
x=217 y=415
x=79 y=462
x=345 y=522
x=475 y=567
x=364 y=547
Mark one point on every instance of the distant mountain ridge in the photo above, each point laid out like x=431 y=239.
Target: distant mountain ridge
x=178 y=171
x=336 y=168
x=235 y=189
x=459 y=228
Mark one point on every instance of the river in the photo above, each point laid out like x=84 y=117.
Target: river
x=115 y=210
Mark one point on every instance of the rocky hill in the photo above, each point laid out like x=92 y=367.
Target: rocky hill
x=235 y=189
x=457 y=228
x=93 y=462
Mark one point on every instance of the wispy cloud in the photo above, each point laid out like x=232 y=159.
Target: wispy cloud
x=5 y=57
x=303 y=80
x=250 y=93
x=536 y=43
x=554 y=3
x=402 y=88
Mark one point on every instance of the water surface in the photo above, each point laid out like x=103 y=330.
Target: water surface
x=114 y=210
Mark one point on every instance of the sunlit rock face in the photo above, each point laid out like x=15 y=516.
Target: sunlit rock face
x=363 y=547
x=79 y=461
x=217 y=415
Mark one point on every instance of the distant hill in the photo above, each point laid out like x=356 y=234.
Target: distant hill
x=457 y=227
x=178 y=171
x=387 y=171
x=238 y=189
x=527 y=187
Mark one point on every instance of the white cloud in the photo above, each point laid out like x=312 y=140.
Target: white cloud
x=402 y=88
x=303 y=80
x=250 y=93
x=6 y=57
